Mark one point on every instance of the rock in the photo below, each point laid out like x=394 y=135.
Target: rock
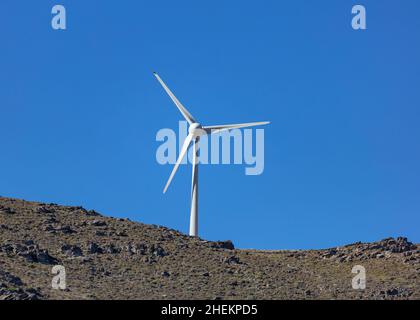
x=330 y=253
x=7 y=248
x=38 y=256
x=19 y=294
x=222 y=245
x=149 y=260
x=65 y=229
x=111 y=249
x=7 y=210
x=51 y=219
x=10 y=279
x=138 y=248
x=45 y=209
x=410 y=259
x=399 y=245
x=71 y=250
x=98 y=223
x=49 y=229
x=130 y=249
x=29 y=243
x=30 y=252
x=341 y=259
x=93 y=248
x=157 y=250
x=392 y=292
x=231 y=260
x=77 y=208
x=122 y=234
x=92 y=213
x=44 y=257
x=165 y=274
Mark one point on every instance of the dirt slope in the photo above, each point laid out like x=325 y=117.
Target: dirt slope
x=108 y=258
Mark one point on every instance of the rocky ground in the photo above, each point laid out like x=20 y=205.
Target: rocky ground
x=108 y=258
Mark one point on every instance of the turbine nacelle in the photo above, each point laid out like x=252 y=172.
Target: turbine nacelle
x=196 y=130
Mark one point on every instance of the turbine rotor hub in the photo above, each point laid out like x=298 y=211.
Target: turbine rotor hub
x=196 y=129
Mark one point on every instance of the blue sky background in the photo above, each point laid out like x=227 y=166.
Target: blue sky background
x=79 y=111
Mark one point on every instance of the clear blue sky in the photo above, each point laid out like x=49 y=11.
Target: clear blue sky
x=80 y=109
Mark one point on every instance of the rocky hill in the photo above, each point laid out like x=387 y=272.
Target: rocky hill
x=108 y=258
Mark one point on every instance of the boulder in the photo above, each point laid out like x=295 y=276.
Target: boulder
x=228 y=244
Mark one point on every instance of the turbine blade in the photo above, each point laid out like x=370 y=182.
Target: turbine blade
x=178 y=161
x=181 y=108
x=224 y=127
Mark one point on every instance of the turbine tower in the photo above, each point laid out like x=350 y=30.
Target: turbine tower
x=195 y=131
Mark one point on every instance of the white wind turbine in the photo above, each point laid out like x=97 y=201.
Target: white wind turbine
x=196 y=130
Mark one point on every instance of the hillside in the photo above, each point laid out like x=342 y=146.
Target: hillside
x=108 y=258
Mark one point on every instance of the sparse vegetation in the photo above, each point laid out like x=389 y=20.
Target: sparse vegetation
x=108 y=258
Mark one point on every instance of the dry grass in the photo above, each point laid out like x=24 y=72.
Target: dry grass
x=187 y=268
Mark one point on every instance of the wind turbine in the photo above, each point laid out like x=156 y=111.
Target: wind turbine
x=195 y=131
